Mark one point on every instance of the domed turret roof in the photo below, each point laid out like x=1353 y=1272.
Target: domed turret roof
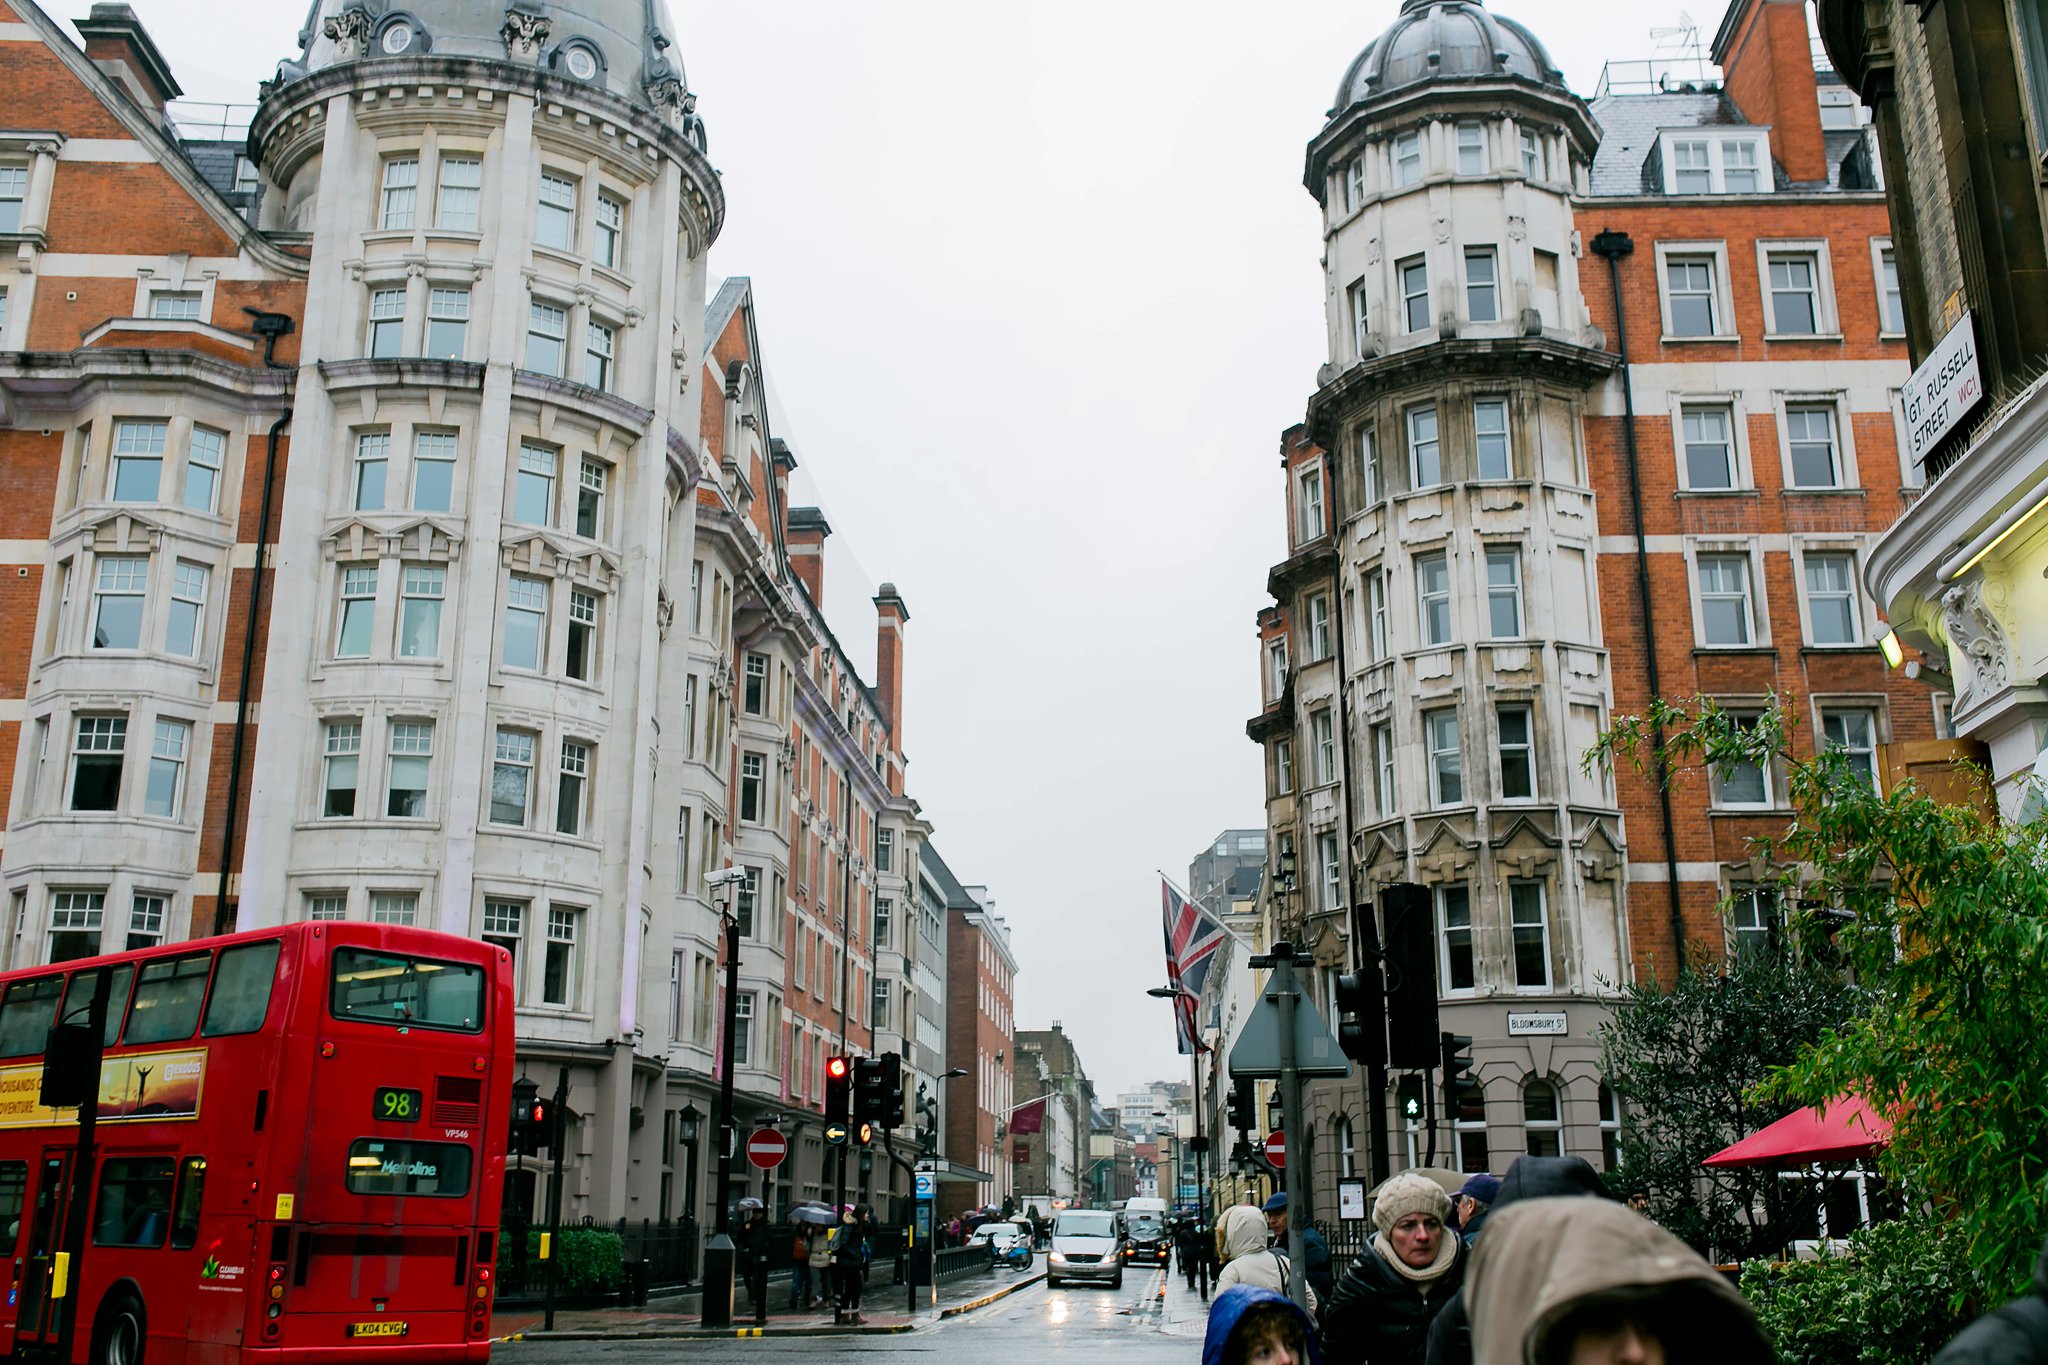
x=1435 y=40
x=619 y=45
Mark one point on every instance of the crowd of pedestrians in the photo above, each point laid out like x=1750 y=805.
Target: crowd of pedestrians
x=1540 y=1267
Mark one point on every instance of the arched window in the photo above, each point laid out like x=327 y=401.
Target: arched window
x=1610 y=1126
x=1347 y=1150
x=1541 y=1123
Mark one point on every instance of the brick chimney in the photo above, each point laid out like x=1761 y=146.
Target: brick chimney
x=1766 y=58
x=890 y=617
x=121 y=48
x=804 y=534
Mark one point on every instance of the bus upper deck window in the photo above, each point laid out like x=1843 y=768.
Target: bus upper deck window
x=78 y=1002
x=26 y=1016
x=167 y=996
x=241 y=989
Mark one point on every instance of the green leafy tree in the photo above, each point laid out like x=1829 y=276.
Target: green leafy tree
x=1870 y=1304
x=1939 y=913
x=1690 y=1056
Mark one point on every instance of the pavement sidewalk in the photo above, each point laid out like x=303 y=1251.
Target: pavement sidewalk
x=884 y=1308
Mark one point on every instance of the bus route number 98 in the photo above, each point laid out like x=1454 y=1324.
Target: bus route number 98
x=393 y=1105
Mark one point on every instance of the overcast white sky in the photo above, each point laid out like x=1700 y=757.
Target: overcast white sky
x=1038 y=291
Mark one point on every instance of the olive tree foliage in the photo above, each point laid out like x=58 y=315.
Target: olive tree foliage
x=1939 y=914
x=1691 y=1054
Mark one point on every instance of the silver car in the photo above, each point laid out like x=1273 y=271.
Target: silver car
x=1087 y=1246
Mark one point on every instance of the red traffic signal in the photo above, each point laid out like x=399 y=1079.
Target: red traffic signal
x=835 y=1069
x=838 y=1090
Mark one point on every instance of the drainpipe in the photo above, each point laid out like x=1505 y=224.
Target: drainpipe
x=269 y=326
x=1611 y=246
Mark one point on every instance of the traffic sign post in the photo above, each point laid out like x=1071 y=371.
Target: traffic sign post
x=766 y=1148
x=1276 y=1150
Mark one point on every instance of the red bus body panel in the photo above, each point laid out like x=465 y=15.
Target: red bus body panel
x=270 y=1118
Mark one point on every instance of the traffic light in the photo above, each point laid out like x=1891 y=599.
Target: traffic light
x=1362 y=1029
x=540 y=1126
x=878 y=1089
x=1456 y=1063
x=1240 y=1102
x=520 y=1136
x=1411 y=977
x=838 y=1090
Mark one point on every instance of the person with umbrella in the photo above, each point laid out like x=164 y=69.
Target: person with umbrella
x=752 y=1243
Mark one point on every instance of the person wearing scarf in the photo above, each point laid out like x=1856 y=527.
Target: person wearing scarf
x=1380 y=1311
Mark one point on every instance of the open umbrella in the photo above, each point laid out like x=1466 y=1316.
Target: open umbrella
x=1452 y=1181
x=747 y=1203
x=816 y=1214
x=1842 y=1130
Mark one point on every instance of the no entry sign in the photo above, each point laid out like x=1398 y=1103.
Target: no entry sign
x=1276 y=1148
x=766 y=1148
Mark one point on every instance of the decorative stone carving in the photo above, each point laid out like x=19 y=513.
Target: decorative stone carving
x=525 y=34
x=1980 y=640
x=349 y=31
x=664 y=612
x=1518 y=227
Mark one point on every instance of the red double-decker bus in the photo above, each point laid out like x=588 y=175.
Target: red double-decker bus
x=298 y=1156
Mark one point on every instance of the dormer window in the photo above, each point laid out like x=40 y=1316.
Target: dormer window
x=1726 y=163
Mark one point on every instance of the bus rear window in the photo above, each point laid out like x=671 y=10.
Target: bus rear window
x=395 y=1166
x=26 y=1015
x=388 y=988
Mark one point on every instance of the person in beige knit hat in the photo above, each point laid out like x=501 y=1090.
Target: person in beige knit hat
x=1380 y=1312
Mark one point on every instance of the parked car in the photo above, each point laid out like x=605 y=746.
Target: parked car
x=1087 y=1246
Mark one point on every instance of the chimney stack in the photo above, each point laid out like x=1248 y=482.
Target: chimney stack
x=119 y=46
x=890 y=618
x=804 y=534
x=1765 y=53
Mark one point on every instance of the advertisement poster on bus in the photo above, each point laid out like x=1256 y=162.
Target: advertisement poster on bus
x=137 y=1088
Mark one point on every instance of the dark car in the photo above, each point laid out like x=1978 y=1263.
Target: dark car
x=1148 y=1235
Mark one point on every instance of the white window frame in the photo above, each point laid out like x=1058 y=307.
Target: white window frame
x=372 y=449
x=534 y=601
x=1276 y=668
x=170 y=754
x=1837 y=404
x=1361 y=320
x=1283 y=766
x=1318 y=631
x=1406 y=156
x=398 y=192
x=1323 y=736
x=1881 y=248
x=1372 y=476
x=1730 y=407
x=1717 y=159
x=1435 y=444
x=341 y=748
x=1759 y=613
x=573 y=767
x=207 y=441
x=1432 y=733
x=1331 y=866
x=122 y=577
x=1862 y=610
x=1532 y=154
x=1376 y=635
x=552 y=206
x=541 y=311
x=1442 y=898
x=1550 y=1128
x=421 y=583
x=1408 y=300
x=356 y=583
x=380 y=322
x=608 y=232
x=514 y=751
x=1509 y=591
x=1312 y=513
x=442 y=309
x=1814 y=251
x=1354 y=184
x=1723 y=299
x=1425 y=599
x=450 y=192
x=1752 y=712
x=1470 y=136
x=1489 y=404
x=1527 y=711
x=1383 y=760
x=139 y=441
x=1869 y=710
x=1490 y=285
x=1756 y=919
x=405 y=740
x=1517 y=922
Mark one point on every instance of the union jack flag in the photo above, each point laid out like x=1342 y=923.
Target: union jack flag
x=1192 y=939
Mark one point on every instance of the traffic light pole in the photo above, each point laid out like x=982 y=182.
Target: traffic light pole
x=557 y=1141
x=1293 y=1174
x=719 y=1251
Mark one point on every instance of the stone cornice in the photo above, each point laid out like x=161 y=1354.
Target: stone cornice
x=60 y=380
x=1539 y=357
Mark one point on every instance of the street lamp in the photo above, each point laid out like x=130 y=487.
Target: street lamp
x=719 y=1253
x=1176 y=993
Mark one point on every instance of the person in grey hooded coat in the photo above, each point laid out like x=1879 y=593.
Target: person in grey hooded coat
x=1588 y=1282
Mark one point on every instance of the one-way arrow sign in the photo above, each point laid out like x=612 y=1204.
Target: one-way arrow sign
x=1256 y=1053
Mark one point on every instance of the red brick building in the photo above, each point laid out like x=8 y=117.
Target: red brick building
x=981 y=975
x=1766 y=344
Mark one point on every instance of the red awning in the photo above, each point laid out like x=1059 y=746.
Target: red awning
x=1843 y=1130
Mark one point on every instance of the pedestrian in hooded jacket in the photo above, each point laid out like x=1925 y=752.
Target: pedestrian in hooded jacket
x=1247 y=1259
x=2016 y=1334
x=1530 y=1177
x=1590 y=1282
x=1252 y=1326
x=1380 y=1311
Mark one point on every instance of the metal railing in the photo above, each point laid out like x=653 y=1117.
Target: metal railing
x=209 y=121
